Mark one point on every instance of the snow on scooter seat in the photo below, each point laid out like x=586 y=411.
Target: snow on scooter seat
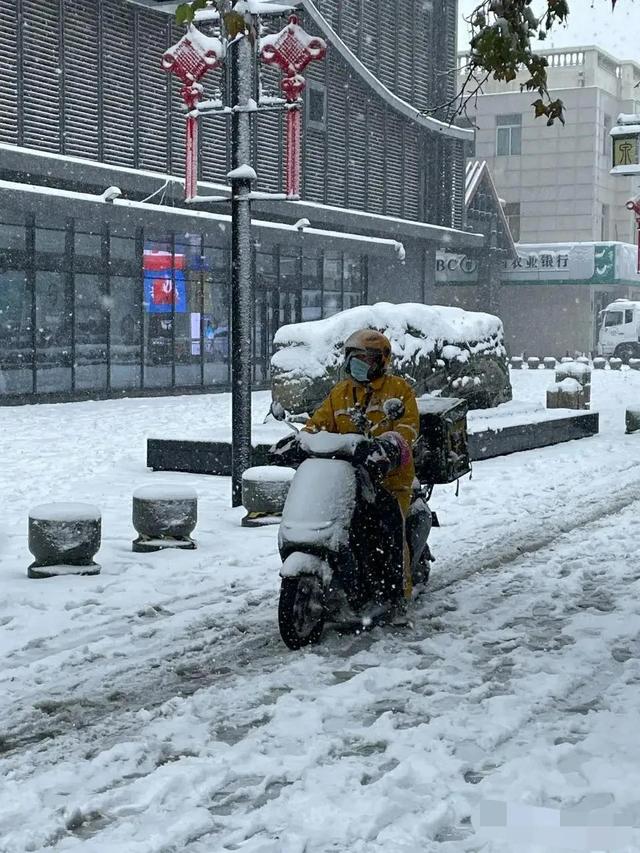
x=330 y=443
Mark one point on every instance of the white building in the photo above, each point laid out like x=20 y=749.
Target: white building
x=555 y=180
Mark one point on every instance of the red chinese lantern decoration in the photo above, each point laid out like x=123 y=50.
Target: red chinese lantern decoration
x=190 y=59
x=292 y=49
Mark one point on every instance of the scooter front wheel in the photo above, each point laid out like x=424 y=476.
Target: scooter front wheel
x=301 y=611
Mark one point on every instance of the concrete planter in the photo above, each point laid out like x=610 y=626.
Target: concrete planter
x=615 y=363
x=634 y=363
x=264 y=491
x=565 y=359
x=533 y=362
x=599 y=363
x=516 y=362
x=64 y=538
x=164 y=516
x=549 y=363
x=582 y=359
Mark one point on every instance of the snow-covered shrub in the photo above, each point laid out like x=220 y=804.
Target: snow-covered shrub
x=436 y=348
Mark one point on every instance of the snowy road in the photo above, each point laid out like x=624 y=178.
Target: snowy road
x=154 y=708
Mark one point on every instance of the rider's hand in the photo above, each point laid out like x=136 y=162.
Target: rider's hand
x=284 y=449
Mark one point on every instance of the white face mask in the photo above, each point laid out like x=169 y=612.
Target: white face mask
x=358 y=369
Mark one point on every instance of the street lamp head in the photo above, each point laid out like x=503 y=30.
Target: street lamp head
x=111 y=193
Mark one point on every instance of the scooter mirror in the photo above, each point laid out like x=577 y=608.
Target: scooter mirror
x=277 y=411
x=393 y=408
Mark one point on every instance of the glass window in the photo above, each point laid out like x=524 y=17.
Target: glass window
x=88 y=244
x=628 y=316
x=508 y=134
x=91 y=320
x=50 y=240
x=122 y=247
x=613 y=318
x=16 y=344
x=126 y=331
x=512 y=212
x=215 y=321
x=332 y=281
x=54 y=314
x=316 y=105
x=12 y=231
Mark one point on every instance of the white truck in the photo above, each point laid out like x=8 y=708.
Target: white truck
x=619 y=330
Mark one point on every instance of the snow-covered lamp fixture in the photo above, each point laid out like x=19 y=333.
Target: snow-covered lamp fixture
x=190 y=59
x=292 y=49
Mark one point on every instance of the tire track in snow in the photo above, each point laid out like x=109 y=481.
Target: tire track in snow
x=155 y=680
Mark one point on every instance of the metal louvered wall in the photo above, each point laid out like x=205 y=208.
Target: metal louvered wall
x=88 y=79
x=9 y=50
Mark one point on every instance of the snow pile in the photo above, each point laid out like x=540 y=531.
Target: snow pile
x=308 y=349
x=65 y=512
x=432 y=347
x=568 y=386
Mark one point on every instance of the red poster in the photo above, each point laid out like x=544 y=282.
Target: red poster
x=162 y=291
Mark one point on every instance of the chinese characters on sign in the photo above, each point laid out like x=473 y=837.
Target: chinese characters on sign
x=539 y=261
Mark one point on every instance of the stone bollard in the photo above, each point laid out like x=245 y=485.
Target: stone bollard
x=632 y=420
x=568 y=394
x=164 y=516
x=615 y=363
x=264 y=491
x=634 y=363
x=549 y=363
x=599 y=363
x=516 y=362
x=64 y=538
x=533 y=362
x=582 y=374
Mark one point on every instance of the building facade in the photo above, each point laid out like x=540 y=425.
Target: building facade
x=103 y=295
x=555 y=181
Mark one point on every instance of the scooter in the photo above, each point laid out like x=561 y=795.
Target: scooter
x=340 y=536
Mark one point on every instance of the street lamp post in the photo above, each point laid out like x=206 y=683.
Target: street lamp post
x=291 y=49
x=242 y=282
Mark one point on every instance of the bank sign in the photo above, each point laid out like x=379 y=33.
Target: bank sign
x=455 y=269
x=550 y=263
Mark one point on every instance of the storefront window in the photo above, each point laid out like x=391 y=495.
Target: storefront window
x=352 y=276
x=16 y=353
x=89 y=245
x=215 y=318
x=91 y=320
x=12 y=231
x=54 y=314
x=126 y=331
x=311 y=289
x=50 y=240
x=332 y=280
x=123 y=247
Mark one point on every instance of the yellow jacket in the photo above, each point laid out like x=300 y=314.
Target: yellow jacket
x=333 y=415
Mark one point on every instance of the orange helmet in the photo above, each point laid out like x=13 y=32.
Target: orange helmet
x=370 y=347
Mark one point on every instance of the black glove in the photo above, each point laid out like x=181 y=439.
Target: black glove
x=372 y=455
x=286 y=451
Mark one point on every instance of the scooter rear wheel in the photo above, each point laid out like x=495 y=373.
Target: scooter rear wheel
x=301 y=611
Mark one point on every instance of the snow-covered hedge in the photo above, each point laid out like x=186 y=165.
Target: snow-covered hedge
x=460 y=353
